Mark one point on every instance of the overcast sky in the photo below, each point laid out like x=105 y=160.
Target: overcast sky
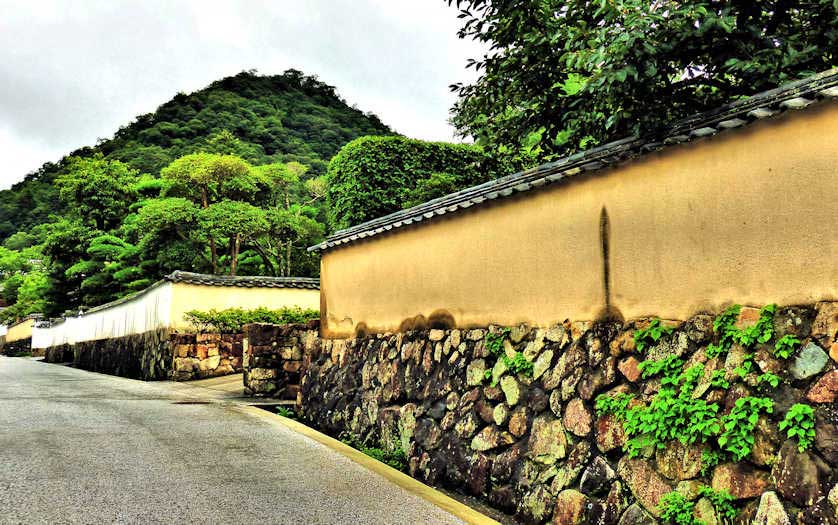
x=73 y=71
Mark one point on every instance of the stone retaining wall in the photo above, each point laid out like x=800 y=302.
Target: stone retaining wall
x=155 y=355
x=197 y=356
x=19 y=347
x=275 y=356
x=533 y=444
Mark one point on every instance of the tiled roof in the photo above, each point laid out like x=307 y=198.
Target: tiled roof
x=244 y=281
x=796 y=95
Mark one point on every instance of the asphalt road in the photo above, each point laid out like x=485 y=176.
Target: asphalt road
x=79 y=447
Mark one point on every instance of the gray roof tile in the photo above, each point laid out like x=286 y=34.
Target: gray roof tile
x=243 y=281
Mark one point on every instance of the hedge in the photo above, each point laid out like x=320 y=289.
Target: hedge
x=374 y=176
x=231 y=320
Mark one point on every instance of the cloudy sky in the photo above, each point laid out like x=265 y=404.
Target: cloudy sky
x=73 y=71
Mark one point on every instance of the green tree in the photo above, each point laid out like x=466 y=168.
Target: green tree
x=374 y=176
x=167 y=229
x=235 y=221
x=293 y=216
x=207 y=178
x=31 y=297
x=263 y=119
x=65 y=246
x=559 y=76
x=15 y=265
x=98 y=191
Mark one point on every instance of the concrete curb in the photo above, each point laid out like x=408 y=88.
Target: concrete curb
x=401 y=479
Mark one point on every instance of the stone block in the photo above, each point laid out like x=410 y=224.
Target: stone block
x=475 y=372
x=548 y=441
x=207 y=338
x=210 y=363
x=260 y=374
x=800 y=477
x=292 y=366
x=571 y=508
x=577 y=418
x=809 y=361
x=740 y=480
x=182 y=339
x=489 y=438
x=183 y=350
x=825 y=325
x=291 y=353
x=825 y=390
x=260 y=350
x=679 y=462
x=185 y=364
x=609 y=433
x=647 y=486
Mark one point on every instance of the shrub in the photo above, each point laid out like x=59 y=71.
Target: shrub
x=799 y=423
x=231 y=320
x=784 y=346
x=393 y=456
x=760 y=332
x=517 y=364
x=722 y=502
x=672 y=414
x=374 y=176
x=650 y=335
x=676 y=509
x=737 y=437
x=616 y=404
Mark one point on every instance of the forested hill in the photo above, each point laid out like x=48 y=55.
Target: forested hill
x=278 y=118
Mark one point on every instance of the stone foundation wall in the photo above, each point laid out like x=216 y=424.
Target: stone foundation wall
x=58 y=354
x=197 y=356
x=155 y=355
x=533 y=443
x=275 y=356
x=19 y=347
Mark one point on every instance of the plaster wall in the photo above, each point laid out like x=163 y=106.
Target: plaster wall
x=163 y=306
x=186 y=297
x=747 y=216
x=144 y=312
x=20 y=331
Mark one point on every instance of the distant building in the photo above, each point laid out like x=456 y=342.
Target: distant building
x=16 y=338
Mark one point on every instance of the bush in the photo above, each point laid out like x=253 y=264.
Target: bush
x=374 y=176
x=231 y=320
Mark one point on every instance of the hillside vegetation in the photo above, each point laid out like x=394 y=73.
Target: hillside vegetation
x=263 y=119
x=229 y=179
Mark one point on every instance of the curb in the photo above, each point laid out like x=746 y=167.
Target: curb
x=415 y=487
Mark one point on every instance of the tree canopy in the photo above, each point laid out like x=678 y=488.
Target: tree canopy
x=230 y=179
x=284 y=118
x=373 y=176
x=560 y=76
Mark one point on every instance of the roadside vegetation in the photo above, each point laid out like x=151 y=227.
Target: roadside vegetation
x=231 y=320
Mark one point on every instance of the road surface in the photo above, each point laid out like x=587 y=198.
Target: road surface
x=79 y=447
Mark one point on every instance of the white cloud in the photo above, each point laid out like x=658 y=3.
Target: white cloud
x=73 y=72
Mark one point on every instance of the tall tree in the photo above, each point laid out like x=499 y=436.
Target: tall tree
x=209 y=178
x=562 y=75
x=236 y=221
x=98 y=191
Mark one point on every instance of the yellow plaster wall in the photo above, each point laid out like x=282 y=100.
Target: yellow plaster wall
x=22 y=330
x=748 y=216
x=186 y=297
